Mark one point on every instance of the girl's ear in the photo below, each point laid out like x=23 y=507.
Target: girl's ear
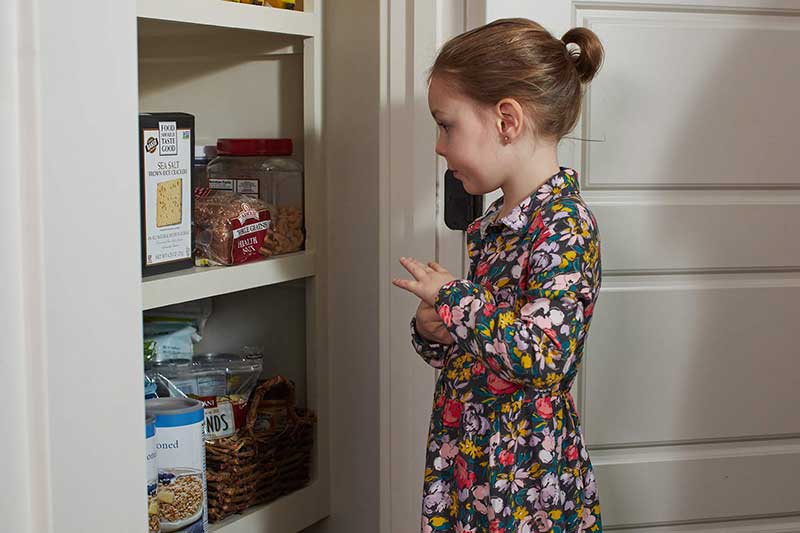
x=510 y=120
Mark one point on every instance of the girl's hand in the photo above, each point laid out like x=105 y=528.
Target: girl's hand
x=430 y=325
x=428 y=279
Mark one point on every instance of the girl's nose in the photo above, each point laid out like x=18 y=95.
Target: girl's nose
x=440 y=148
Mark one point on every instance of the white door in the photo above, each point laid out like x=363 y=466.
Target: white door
x=690 y=387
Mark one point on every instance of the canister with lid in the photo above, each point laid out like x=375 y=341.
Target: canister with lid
x=153 y=520
x=263 y=168
x=180 y=444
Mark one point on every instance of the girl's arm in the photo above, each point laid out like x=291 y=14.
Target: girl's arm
x=432 y=353
x=537 y=345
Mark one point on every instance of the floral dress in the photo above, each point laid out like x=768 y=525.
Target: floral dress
x=505 y=448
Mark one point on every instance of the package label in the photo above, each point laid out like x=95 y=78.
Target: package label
x=180 y=445
x=167 y=193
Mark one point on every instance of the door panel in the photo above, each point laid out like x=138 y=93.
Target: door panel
x=705 y=99
x=681 y=372
x=696 y=486
x=698 y=231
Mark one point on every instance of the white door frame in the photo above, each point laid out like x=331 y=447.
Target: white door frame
x=411 y=224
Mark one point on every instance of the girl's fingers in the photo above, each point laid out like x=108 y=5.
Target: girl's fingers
x=402 y=283
x=436 y=267
x=414 y=267
x=427 y=267
x=420 y=265
x=410 y=286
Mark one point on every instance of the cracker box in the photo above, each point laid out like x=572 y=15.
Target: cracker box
x=166 y=149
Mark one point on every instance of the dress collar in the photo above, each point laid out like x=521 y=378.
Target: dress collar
x=563 y=183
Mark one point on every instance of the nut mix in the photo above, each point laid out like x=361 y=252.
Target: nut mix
x=287 y=232
x=223 y=382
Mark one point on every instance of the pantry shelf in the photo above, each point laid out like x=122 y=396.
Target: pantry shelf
x=203 y=282
x=232 y=15
x=293 y=512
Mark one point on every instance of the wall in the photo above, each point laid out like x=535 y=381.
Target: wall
x=351 y=66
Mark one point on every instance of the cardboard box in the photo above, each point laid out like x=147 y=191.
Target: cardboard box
x=166 y=152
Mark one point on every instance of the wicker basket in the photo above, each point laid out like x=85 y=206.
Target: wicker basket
x=269 y=457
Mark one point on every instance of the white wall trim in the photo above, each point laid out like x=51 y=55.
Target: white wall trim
x=694 y=452
x=410 y=213
x=763 y=525
x=22 y=461
x=384 y=265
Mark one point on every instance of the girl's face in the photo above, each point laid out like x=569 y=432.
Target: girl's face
x=468 y=138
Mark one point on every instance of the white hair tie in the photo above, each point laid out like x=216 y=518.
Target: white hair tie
x=573 y=50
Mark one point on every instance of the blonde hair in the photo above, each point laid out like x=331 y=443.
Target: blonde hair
x=517 y=58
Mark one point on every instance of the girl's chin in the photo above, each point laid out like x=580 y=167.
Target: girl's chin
x=469 y=186
x=471 y=189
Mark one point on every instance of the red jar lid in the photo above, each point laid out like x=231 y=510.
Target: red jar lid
x=254 y=147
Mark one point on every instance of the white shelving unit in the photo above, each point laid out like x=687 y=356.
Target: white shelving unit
x=231 y=15
x=204 y=282
x=249 y=71
x=293 y=512
x=74 y=76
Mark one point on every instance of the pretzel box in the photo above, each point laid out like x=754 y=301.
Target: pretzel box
x=166 y=148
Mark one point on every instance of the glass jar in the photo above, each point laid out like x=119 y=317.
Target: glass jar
x=263 y=168
x=202 y=157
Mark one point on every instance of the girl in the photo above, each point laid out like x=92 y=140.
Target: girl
x=505 y=451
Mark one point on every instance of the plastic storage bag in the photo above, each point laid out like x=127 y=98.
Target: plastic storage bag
x=230 y=228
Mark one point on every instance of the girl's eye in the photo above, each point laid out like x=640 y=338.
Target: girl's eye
x=445 y=127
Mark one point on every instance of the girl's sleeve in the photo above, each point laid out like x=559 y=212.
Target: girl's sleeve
x=431 y=352
x=535 y=345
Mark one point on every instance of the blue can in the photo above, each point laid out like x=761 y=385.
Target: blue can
x=153 y=520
